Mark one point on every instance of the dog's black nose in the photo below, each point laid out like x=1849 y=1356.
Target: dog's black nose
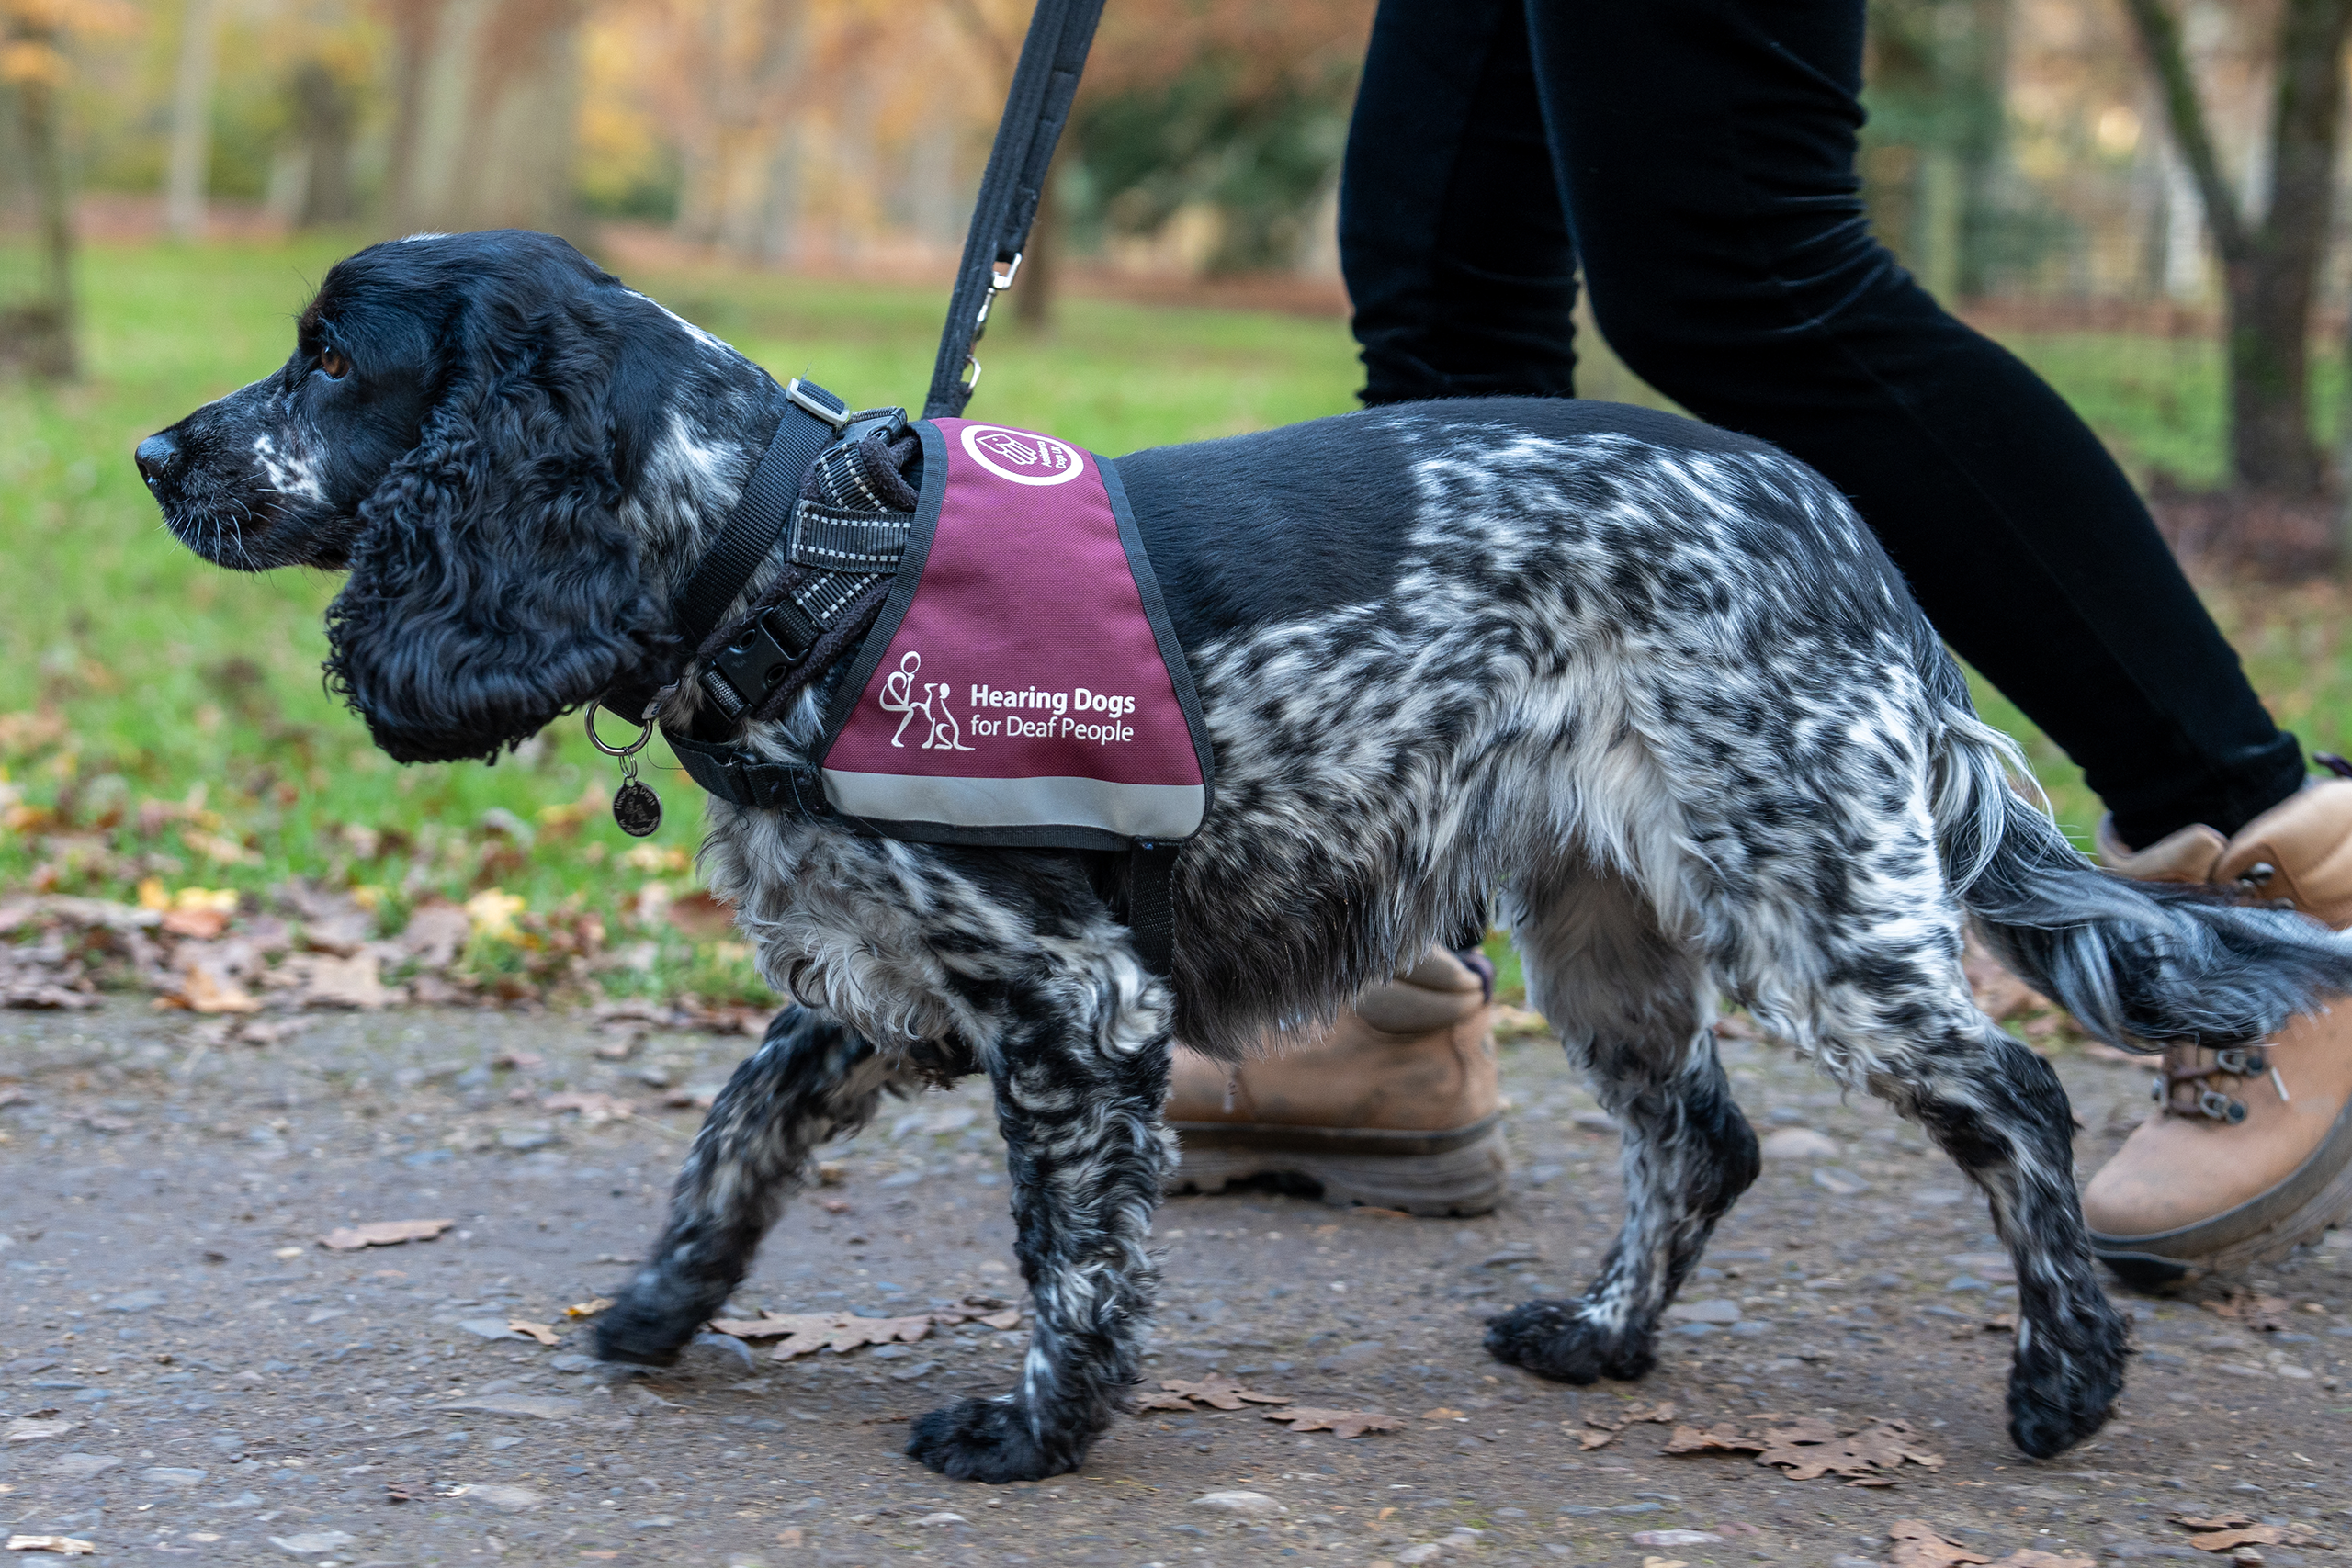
x=157 y=456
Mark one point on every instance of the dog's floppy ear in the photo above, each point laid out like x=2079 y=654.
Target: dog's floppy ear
x=494 y=586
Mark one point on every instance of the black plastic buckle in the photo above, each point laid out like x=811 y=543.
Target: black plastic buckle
x=779 y=786
x=747 y=670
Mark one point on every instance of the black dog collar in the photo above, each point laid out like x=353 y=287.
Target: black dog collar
x=814 y=421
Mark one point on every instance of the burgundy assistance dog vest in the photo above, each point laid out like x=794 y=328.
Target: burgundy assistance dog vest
x=1022 y=685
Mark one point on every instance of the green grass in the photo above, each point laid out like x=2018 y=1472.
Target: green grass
x=162 y=718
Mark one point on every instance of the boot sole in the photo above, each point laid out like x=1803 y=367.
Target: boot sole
x=2263 y=1229
x=1459 y=1173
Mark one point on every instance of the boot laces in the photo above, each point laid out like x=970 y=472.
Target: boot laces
x=2189 y=1067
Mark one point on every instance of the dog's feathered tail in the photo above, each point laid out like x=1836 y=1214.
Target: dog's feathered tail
x=2138 y=964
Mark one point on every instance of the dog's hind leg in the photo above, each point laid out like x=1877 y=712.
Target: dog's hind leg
x=1999 y=1111
x=1857 y=962
x=1082 y=1072
x=810 y=1081
x=1632 y=1010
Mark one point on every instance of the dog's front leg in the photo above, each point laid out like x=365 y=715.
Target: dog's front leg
x=1079 y=1100
x=809 y=1080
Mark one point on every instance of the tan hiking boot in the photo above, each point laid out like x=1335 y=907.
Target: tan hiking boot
x=1395 y=1105
x=2248 y=1153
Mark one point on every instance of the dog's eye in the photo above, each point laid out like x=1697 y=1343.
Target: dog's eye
x=335 y=363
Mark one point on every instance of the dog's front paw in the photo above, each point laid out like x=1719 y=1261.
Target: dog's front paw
x=2065 y=1380
x=1554 y=1339
x=987 y=1439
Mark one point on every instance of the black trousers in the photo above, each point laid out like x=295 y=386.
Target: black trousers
x=1695 y=160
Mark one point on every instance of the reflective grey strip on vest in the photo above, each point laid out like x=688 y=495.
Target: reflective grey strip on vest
x=1139 y=811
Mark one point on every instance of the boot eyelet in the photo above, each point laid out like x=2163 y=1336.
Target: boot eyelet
x=2220 y=1107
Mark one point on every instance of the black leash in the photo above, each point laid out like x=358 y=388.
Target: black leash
x=1060 y=32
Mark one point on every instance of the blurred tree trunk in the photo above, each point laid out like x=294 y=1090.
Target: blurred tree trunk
x=323 y=113
x=2271 y=273
x=485 y=114
x=515 y=164
x=741 y=143
x=188 y=168
x=38 y=332
x=414 y=24
x=1036 y=294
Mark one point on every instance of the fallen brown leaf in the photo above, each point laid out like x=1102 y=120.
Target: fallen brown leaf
x=702 y=917
x=588 y=1308
x=1812 y=1447
x=383 y=1233
x=1219 y=1392
x=353 y=982
x=1611 y=1422
x=2217 y=1522
x=2264 y=1315
x=203 y=991
x=841 y=1332
x=1624 y=1416
x=541 y=1332
x=2253 y=1535
x=1720 y=1439
x=437 y=933
x=1916 y=1544
x=1444 y=1413
x=201 y=923
x=1339 y=1423
x=1161 y=1400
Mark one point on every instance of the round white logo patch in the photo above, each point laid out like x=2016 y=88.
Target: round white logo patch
x=1024 y=458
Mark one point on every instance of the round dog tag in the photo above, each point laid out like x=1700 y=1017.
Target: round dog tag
x=638 y=809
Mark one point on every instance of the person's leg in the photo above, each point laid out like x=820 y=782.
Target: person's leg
x=1706 y=149
x=1452 y=241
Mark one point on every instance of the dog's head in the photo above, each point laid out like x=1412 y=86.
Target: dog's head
x=467 y=426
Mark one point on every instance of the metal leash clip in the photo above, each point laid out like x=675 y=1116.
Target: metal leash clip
x=635 y=805
x=998 y=283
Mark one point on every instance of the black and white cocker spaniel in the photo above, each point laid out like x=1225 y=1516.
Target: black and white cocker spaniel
x=1651 y=685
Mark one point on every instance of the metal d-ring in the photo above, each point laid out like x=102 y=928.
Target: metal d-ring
x=631 y=750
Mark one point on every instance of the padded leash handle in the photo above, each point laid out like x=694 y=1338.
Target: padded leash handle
x=1043 y=83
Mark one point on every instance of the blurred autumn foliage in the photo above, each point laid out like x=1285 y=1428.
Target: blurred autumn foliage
x=828 y=131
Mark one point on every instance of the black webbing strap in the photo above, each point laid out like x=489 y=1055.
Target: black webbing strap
x=1035 y=112
x=1152 y=904
x=740 y=778
x=760 y=512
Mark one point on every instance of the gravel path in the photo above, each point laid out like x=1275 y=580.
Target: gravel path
x=184 y=1371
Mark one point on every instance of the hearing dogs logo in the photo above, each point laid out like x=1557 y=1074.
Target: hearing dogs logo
x=1078 y=713
x=1024 y=458
x=941 y=732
